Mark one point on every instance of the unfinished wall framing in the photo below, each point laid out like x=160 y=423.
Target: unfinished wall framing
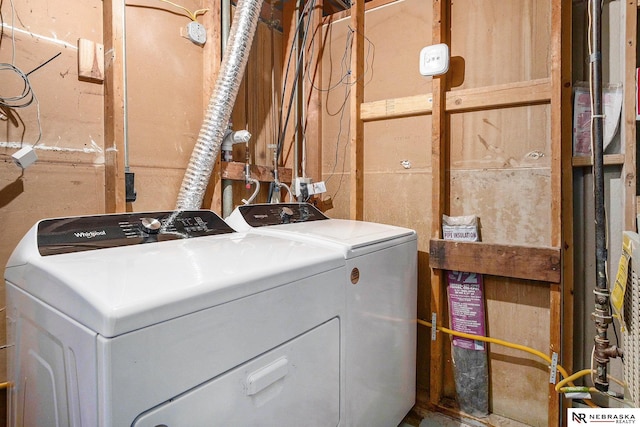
x=492 y=137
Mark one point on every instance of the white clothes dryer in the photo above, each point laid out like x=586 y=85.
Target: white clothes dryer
x=380 y=285
x=172 y=319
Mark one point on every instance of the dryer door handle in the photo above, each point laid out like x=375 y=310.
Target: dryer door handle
x=267 y=375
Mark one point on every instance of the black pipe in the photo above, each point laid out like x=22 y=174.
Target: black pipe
x=602 y=313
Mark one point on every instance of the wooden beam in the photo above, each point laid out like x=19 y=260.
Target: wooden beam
x=500 y=96
x=416 y=105
x=356 y=178
x=439 y=195
x=235 y=171
x=114 y=132
x=371 y=4
x=484 y=98
x=520 y=262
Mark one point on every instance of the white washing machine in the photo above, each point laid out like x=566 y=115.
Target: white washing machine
x=172 y=319
x=380 y=285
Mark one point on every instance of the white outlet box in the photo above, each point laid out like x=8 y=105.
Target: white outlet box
x=197 y=33
x=24 y=157
x=434 y=60
x=297 y=185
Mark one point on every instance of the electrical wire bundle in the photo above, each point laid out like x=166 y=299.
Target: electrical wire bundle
x=344 y=79
x=26 y=97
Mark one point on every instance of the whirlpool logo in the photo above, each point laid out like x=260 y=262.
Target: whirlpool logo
x=603 y=416
x=90 y=234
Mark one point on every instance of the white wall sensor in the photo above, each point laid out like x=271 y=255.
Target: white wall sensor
x=434 y=60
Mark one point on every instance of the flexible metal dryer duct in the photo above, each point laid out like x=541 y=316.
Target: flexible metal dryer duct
x=234 y=61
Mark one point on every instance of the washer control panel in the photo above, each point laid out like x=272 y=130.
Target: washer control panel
x=280 y=213
x=65 y=235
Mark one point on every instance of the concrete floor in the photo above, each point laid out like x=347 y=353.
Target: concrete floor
x=435 y=419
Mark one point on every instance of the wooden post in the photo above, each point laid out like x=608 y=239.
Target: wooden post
x=313 y=102
x=439 y=165
x=356 y=200
x=629 y=116
x=114 y=27
x=561 y=295
x=211 y=59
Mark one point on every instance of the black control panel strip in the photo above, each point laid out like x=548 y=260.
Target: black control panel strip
x=280 y=213
x=65 y=235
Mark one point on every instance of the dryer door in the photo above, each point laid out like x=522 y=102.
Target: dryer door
x=294 y=384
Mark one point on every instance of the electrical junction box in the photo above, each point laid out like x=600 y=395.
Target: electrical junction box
x=24 y=157
x=196 y=33
x=434 y=60
x=304 y=187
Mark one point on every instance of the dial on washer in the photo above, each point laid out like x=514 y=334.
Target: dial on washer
x=150 y=225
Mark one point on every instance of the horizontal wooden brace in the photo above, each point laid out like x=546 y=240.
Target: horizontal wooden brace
x=609 y=159
x=500 y=96
x=416 y=105
x=484 y=98
x=522 y=262
x=235 y=171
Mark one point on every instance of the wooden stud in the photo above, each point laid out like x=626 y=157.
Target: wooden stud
x=629 y=116
x=356 y=200
x=211 y=59
x=114 y=27
x=439 y=196
x=561 y=294
x=313 y=103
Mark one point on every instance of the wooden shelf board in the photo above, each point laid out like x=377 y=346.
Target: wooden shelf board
x=539 y=263
x=609 y=159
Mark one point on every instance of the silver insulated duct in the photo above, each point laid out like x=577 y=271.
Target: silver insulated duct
x=234 y=61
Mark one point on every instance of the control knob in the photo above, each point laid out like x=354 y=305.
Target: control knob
x=150 y=225
x=286 y=214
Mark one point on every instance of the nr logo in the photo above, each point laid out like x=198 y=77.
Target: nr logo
x=579 y=418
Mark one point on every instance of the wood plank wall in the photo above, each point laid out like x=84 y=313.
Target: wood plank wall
x=497 y=137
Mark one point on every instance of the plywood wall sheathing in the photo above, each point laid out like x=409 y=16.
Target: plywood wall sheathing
x=69 y=176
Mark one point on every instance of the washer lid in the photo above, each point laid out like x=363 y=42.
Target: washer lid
x=347 y=235
x=117 y=290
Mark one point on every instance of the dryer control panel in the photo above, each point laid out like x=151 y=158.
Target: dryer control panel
x=75 y=234
x=280 y=213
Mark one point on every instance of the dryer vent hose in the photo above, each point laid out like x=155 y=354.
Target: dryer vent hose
x=216 y=120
